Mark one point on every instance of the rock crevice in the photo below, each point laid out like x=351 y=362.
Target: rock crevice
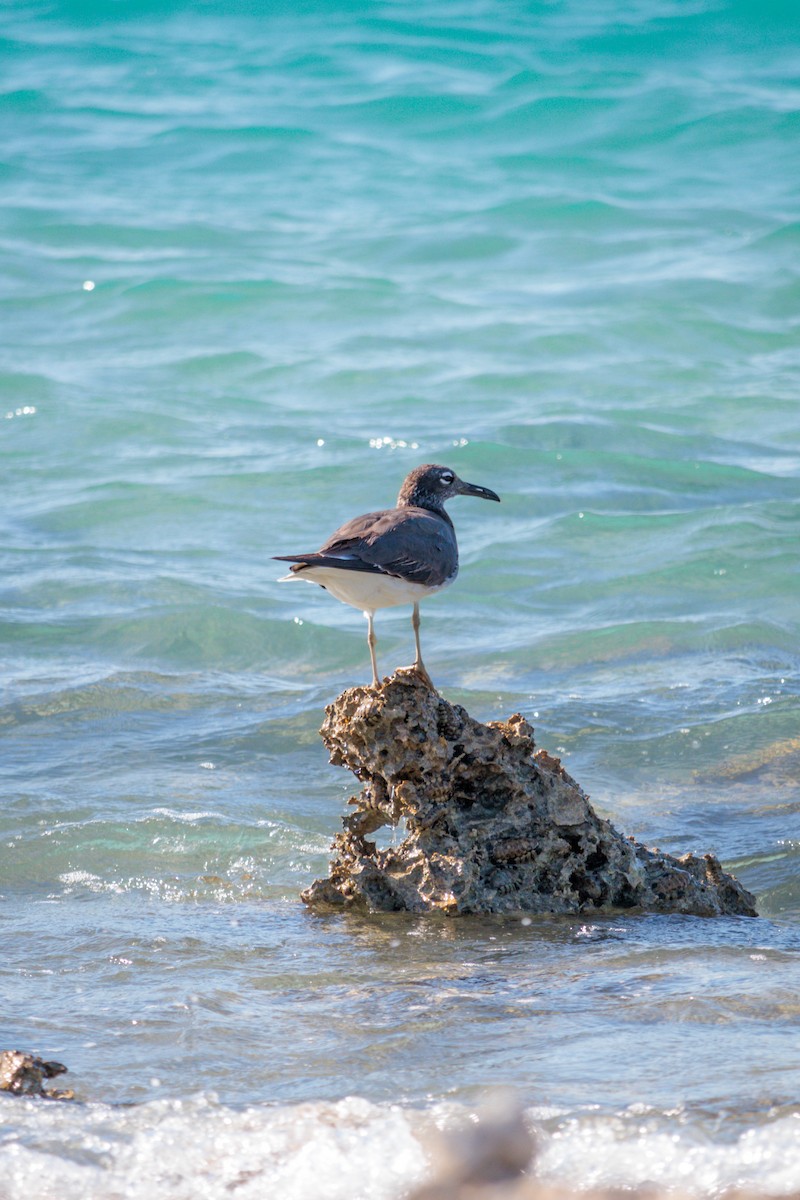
x=492 y=825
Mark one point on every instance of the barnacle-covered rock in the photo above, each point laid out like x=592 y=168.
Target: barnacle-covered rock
x=24 y=1075
x=491 y=824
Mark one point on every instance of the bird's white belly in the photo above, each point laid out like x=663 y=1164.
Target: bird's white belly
x=365 y=589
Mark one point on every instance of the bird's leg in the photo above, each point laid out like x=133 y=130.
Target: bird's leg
x=419 y=665
x=415 y=627
x=371 y=644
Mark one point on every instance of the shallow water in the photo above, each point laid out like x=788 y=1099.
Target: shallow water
x=256 y=266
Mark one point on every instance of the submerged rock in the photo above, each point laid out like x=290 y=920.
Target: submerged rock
x=23 y=1075
x=491 y=824
x=487 y=1158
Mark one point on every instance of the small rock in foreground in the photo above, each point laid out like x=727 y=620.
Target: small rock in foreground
x=492 y=824
x=23 y=1075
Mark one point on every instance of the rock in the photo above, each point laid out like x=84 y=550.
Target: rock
x=488 y=1156
x=22 y=1075
x=491 y=824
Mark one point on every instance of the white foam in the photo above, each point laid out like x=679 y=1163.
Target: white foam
x=630 y=1149
x=197 y=1149
x=353 y=1149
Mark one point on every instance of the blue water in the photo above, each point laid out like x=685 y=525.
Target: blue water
x=259 y=261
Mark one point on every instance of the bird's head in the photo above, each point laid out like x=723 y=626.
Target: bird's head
x=431 y=485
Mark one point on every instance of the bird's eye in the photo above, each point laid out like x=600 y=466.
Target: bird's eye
x=446 y=478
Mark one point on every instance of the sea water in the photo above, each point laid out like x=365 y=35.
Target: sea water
x=259 y=261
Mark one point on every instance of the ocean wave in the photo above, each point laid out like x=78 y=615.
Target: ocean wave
x=352 y=1148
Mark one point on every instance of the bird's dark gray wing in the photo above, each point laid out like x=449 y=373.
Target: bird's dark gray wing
x=411 y=543
x=341 y=548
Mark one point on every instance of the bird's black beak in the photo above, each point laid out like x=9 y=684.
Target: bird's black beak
x=474 y=489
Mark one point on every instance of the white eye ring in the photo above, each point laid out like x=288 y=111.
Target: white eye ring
x=446 y=479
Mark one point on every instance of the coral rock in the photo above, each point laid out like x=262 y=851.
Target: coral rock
x=23 y=1075
x=491 y=824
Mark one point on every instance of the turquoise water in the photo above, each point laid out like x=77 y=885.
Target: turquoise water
x=258 y=261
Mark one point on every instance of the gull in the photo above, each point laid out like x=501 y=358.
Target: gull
x=394 y=556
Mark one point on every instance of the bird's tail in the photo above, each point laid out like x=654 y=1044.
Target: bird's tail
x=297 y=565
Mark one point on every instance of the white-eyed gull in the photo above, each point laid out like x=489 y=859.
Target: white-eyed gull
x=395 y=556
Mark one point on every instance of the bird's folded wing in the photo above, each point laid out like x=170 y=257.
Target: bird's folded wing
x=411 y=543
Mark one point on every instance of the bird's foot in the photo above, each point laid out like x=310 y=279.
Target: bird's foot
x=419 y=669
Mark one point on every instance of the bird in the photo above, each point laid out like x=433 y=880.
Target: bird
x=393 y=556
